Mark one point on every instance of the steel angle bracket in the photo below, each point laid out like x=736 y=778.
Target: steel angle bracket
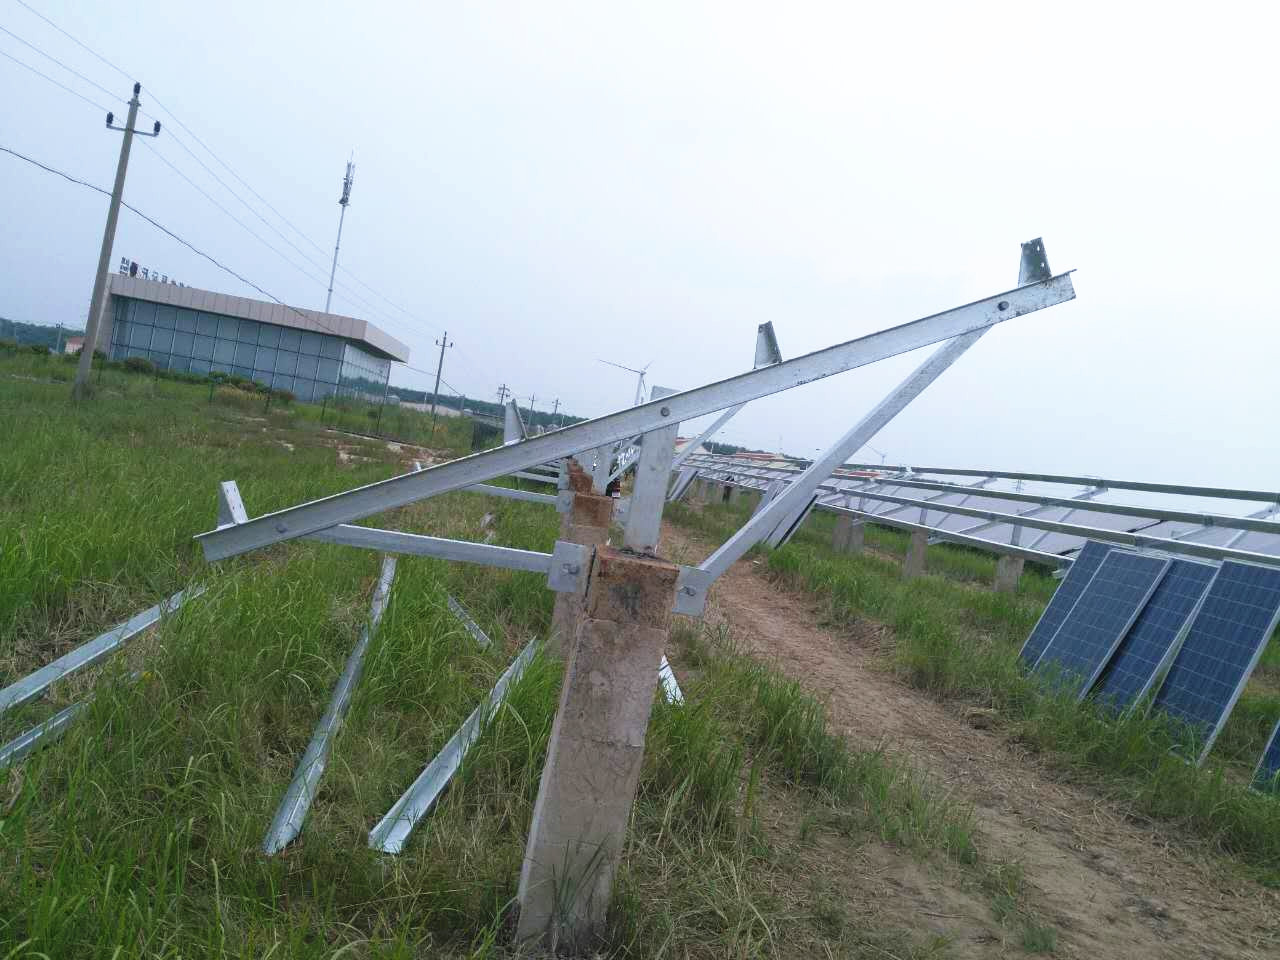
x=570 y=563
x=692 y=586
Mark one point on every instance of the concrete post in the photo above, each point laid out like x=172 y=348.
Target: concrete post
x=848 y=535
x=913 y=566
x=1008 y=573
x=586 y=522
x=597 y=746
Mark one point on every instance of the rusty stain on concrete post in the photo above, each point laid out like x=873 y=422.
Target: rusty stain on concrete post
x=597 y=746
x=587 y=522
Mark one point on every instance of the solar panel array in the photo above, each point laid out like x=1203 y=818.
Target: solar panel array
x=1064 y=598
x=1099 y=619
x=1222 y=647
x=1148 y=648
x=1267 y=776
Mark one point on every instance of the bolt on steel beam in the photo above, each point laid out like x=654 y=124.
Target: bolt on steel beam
x=299 y=520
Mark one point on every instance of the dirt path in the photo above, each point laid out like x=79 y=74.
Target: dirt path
x=1111 y=887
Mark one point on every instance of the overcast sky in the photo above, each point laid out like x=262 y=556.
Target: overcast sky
x=557 y=183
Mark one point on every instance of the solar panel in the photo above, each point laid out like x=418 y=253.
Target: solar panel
x=1222 y=647
x=1267 y=776
x=1064 y=598
x=1149 y=646
x=1094 y=627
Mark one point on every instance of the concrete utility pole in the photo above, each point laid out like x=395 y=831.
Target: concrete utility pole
x=442 y=343
x=347 y=183
x=502 y=395
x=555 y=409
x=96 y=303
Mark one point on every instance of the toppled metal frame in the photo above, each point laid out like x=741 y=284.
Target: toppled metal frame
x=95 y=650
x=391 y=832
x=293 y=809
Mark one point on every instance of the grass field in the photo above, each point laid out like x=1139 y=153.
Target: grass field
x=958 y=639
x=138 y=834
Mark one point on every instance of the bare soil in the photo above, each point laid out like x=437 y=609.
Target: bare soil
x=1111 y=886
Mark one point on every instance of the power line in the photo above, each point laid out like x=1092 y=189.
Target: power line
x=49 y=56
x=56 y=83
x=163 y=229
x=176 y=120
x=74 y=40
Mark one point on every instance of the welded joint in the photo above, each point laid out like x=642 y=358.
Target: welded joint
x=570 y=563
x=692 y=587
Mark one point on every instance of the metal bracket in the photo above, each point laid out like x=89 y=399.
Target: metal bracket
x=692 y=585
x=569 y=565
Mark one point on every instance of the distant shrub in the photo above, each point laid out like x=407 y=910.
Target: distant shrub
x=139 y=365
x=70 y=358
x=8 y=345
x=39 y=349
x=99 y=355
x=284 y=396
x=219 y=376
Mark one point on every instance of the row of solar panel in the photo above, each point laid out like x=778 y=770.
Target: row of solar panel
x=1123 y=624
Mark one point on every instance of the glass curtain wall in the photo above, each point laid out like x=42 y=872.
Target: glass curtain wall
x=309 y=365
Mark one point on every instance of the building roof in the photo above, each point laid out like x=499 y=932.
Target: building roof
x=366 y=335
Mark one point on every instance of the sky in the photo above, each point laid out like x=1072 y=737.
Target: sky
x=553 y=184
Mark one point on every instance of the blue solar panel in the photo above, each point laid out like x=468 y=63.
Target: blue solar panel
x=1094 y=627
x=1267 y=776
x=1146 y=650
x=1221 y=649
x=1068 y=592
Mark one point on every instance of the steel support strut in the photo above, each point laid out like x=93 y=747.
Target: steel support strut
x=300 y=520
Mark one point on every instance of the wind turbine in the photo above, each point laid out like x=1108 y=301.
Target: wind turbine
x=639 y=377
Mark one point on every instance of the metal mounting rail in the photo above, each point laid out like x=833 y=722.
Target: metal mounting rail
x=1181 y=489
x=564 y=567
x=293 y=809
x=1250 y=523
x=1090 y=533
x=394 y=829
x=300 y=520
x=41 y=734
x=89 y=653
x=473 y=628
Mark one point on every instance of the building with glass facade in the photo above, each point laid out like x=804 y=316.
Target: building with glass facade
x=309 y=353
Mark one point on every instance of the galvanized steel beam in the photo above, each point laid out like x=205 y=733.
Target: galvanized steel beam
x=297 y=521
x=293 y=809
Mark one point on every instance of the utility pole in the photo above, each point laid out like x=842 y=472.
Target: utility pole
x=442 y=343
x=347 y=181
x=97 y=302
x=502 y=395
x=555 y=408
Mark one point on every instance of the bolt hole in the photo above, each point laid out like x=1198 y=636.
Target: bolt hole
x=665 y=411
x=1002 y=305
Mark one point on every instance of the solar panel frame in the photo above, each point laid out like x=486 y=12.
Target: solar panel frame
x=1073 y=584
x=1266 y=775
x=1207 y=611
x=1164 y=620
x=1102 y=615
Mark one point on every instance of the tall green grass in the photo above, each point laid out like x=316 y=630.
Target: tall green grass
x=138 y=834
